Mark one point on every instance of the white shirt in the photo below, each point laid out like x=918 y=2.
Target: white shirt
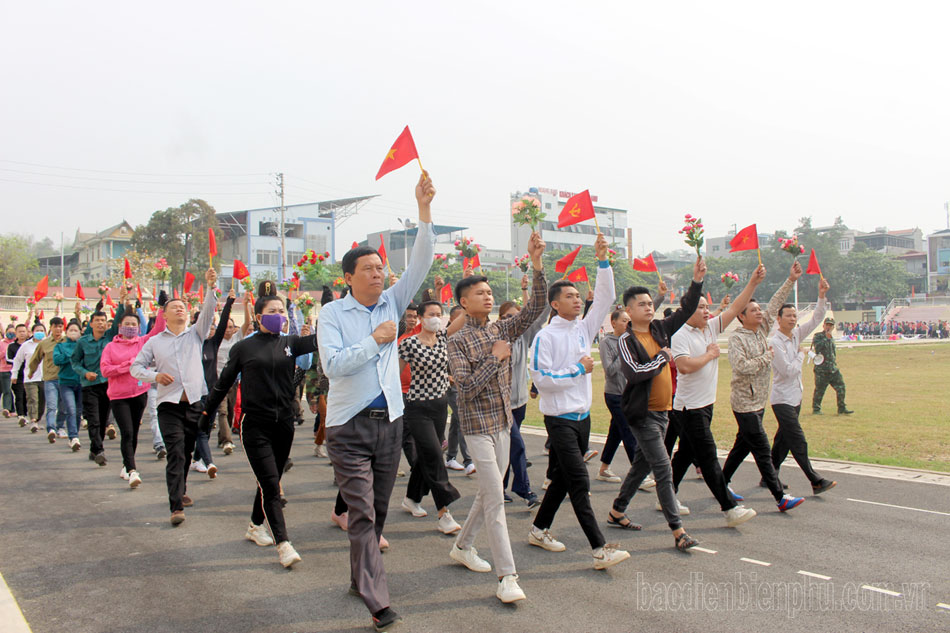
x=788 y=357
x=225 y=348
x=22 y=359
x=564 y=386
x=697 y=389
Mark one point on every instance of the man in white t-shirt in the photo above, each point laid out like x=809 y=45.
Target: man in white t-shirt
x=696 y=354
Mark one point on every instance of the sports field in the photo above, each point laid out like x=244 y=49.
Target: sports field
x=900 y=395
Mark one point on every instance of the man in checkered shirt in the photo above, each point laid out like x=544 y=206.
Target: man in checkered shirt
x=479 y=361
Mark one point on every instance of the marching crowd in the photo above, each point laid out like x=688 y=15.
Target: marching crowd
x=381 y=377
x=907 y=329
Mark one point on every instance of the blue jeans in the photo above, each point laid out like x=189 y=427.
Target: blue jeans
x=518 y=461
x=619 y=431
x=53 y=410
x=71 y=396
x=6 y=386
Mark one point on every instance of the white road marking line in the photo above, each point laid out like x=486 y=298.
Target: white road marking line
x=10 y=614
x=941 y=605
x=756 y=562
x=891 y=505
x=697 y=548
x=887 y=592
x=813 y=575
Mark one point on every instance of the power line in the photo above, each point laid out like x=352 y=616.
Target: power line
x=130 y=173
x=140 y=182
x=183 y=193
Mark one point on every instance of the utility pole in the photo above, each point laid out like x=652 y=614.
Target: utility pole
x=283 y=251
x=62 y=266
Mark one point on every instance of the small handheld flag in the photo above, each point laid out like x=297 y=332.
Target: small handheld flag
x=445 y=295
x=402 y=152
x=189 y=281
x=212 y=247
x=578 y=208
x=80 y=294
x=746 y=240
x=578 y=275
x=813 y=267
x=563 y=264
x=42 y=289
x=128 y=270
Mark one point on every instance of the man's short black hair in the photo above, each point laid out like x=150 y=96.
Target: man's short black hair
x=633 y=291
x=741 y=315
x=55 y=321
x=455 y=309
x=421 y=308
x=353 y=255
x=97 y=314
x=467 y=282
x=668 y=312
x=782 y=309
x=19 y=325
x=554 y=291
x=412 y=307
x=38 y=324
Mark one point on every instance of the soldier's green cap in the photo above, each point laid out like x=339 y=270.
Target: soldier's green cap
x=829 y=321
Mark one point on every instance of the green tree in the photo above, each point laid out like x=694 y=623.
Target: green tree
x=869 y=275
x=180 y=235
x=18 y=266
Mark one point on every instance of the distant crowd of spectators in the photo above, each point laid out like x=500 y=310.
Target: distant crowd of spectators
x=906 y=329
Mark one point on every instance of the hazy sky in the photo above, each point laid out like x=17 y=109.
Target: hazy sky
x=738 y=112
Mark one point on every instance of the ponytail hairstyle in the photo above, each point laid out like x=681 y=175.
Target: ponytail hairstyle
x=327 y=296
x=266 y=292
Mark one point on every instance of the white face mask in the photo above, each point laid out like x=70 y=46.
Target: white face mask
x=432 y=324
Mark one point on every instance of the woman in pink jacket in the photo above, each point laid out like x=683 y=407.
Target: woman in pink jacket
x=127 y=395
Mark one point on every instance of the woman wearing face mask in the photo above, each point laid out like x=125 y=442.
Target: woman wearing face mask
x=425 y=413
x=266 y=363
x=70 y=391
x=127 y=394
x=32 y=382
x=5 y=371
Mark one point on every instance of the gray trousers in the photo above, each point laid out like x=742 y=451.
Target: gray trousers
x=651 y=455
x=365 y=456
x=456 y=439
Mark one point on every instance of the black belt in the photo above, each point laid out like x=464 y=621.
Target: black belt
x=375 y=414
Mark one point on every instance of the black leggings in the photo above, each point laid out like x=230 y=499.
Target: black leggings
x=425 y=422
x=128 y=415
x=19 y=396
x=267 y=446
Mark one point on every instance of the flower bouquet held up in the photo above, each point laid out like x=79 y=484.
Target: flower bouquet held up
x=523 y=262
x=103 y=289
x=248 y=285
x=313 y=267
x=340 y=283
x=193 y=299
x=791 y=246
x=58 y=297
x=527 y=211
x=30 y=302
x=442 y=258
x=162 y=271
x=729 y=279
x=467 y=248
x=306 y=303
x=693 y=229
x=611 y=256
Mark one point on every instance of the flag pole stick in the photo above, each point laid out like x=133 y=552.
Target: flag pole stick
x=597 y=226
x=658 y=275
x=759 y=253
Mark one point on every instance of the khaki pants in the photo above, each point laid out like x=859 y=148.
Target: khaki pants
x=490 y=455
x=226 y=416
x=33 y=390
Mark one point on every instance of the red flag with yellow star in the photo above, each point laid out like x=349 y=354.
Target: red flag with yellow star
x=745 y=240
x=402 y=152
x=578 y=275
x=577 y=209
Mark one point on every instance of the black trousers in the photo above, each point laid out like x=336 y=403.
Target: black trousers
x=791 y=437
x=424 y=420
x=568 y=474
x=673 y=432
x=751 y=438
x=697 y=445
x=178 y=422
x=95 y=410
x=267 y=445
x=19 y=396
x=128 y=415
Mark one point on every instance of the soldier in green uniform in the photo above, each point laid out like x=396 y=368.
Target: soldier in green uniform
x=827 y=373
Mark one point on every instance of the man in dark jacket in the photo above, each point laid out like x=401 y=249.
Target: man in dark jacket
x=648 y=398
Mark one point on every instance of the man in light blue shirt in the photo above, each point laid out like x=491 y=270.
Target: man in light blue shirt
x=356 y=337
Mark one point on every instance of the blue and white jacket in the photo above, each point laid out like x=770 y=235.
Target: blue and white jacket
x=564 y=386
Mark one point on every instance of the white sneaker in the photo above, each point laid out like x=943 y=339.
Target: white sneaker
x=74 y=444
x=318 y=450
x=51 y=436
x=124 y=474
x=258 y=534
x=84 y=425
x=453 y=464
x=23 y=421
x=448 y=525
x=134 y=479
x=228 y=448
x=413 y=508
x=61 y=433
x=608 y=556
x=683 y=510
x=648 y=483
x=508 y=589
x=199 y=466
x=544 y=540
x=738 y=515
x=547 y=482
x=288 y=555
x=470 y=470
x=34 y=427
x=608 y=476
x=469 y=557
x=212 y=471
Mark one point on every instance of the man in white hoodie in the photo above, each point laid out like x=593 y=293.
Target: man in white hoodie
x=560 y=367
x=787 y=388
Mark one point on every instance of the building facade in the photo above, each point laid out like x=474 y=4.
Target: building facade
x=938 y=261
x=89 y=258
x=612 y=222
x=719 y=246
x=398 y=244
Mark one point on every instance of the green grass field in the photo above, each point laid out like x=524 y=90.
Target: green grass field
x=899 y=394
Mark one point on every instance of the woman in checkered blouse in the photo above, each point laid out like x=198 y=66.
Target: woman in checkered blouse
x=425 y=413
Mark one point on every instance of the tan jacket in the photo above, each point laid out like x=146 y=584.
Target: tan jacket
x=750 y=360
x=44 y=353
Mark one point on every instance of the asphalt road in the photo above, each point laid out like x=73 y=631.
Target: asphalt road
x=81 y=552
